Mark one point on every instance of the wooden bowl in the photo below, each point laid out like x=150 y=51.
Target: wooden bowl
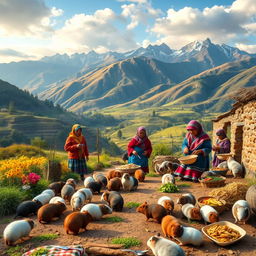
x=188 y=159
x=214 y=183
x=218 y=208
x=224 y=156
x=229 y=224
x=219 y=171
x=128 y=168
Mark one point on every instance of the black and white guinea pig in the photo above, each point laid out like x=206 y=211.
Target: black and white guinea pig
x=114 y=199
x=97 y=210
x=187 y=198
x=94 y=186
x=129 y=182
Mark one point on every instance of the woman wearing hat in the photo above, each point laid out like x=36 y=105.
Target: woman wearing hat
x=222 y=146
x=139 y=149
x=196 y=142
x=77 y=151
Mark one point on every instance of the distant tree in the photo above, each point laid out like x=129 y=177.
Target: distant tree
x=153 y=113
x=38 y=142
x=119 y=134
x=11 y=107
x=18 y=137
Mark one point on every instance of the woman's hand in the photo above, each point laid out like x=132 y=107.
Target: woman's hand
x=145 y=153
x=80 y=146
x=135 y=152
x=186 y=150
x=215 y=148
x=197 y=152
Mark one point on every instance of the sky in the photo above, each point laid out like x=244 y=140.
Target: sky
x=32 y=29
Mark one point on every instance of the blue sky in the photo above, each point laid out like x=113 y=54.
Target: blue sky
x=31 y=29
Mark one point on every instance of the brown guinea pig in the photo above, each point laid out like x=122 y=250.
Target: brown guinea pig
x=112 y=174
x=76 y=221
x=154 y=211
x=191 y=212
x=139 y=175
x=48 y=212
x=114 y=184
x=171 y=227
x=57 y=186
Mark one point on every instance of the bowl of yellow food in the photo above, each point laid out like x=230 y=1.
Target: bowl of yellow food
x=188 y=159
x=224 y=156
x=128 y=168
x=218 y=204
x=224 y=233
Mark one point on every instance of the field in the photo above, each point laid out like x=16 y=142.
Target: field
x=129 y=223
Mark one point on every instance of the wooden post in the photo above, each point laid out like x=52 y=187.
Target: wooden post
x=97 y=144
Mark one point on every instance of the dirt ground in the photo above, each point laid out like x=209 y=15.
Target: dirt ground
x=135 y=225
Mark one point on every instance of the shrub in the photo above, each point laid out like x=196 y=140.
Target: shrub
x=70 y=175
x=10 y=197
x=38 y=142
x=161 y=149
x=20 y=150
x=36 y=189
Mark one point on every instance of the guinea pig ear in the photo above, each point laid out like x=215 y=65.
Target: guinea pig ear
x=85 y=212
x=158 y=234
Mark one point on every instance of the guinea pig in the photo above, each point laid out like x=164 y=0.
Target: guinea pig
x=42 y=198
x=164 y=247
x=27 y=208
x=57 y=199
x=114 y=184
x=77 y=200
x=129 y=182
x=171 y=227
x=241 y=211
x=187 y=198
x=49 y=212
x=97 y=210
x=88 y=180
x=154 y=211
x=113 y=174
x=223 y=165
x=49 y=191
x=190 y=236
x=71 y=182
x=57 y=186
x=167 y=203
x=168 y=178
x=235 y=167
x=88 y=193
x=100 y=178
x=67 y=191
x=94 y=186
x=76 y=221
x=191 y=212
x=209 y=214
x=17 y=230
x=139 y=175
x=166 y=167
x=114 y=199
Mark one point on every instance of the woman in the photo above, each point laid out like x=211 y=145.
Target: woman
x=196 y=142
x=139 y=149
x=222 y=146
x=77 y=151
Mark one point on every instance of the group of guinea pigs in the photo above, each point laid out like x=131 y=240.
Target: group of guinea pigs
x=49 y=206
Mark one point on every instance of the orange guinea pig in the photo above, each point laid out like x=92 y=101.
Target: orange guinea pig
x=154 y=211
x=76 y=221
x=171 y=227
x=114 y=184
x=139 y=175
x=48 y=212
x=113 y=173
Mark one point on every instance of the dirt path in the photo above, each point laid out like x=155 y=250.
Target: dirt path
x=135 y=224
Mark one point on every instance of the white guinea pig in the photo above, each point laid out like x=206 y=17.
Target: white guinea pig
x=209 y=214
x=190 y=236
x=97 y=210
x=49 y=191
x=77 y=200
x=43 y=198
x=57 y=199
x=241 y=211
x=191 y=212
x=16 y=230
x=223 y=165
x=129 y=183
x=164 y=247
x=234 y=167
x=167 y=203
x=168 y=178
x=88 y=180
x=88 y=194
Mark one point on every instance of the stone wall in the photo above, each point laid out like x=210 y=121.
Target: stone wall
x=242 y=134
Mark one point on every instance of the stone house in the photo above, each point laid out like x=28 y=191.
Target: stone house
x=240 y=125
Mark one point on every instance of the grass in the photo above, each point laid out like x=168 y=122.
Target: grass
x=6 y=221
x=114 y=219
x=44 y=237
x=152 y=174
x=14 y=251
x=184 y=185
x=126 y=241
x=132 y=205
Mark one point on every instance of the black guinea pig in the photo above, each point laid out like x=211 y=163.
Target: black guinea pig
x=94 y=186
x=27 y=208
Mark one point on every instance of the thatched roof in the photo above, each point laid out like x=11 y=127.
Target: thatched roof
x=241 y=96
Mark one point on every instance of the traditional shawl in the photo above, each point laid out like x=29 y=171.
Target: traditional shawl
x=195 y=141
x=141 y=141
x=221 y=132
x=72 y=134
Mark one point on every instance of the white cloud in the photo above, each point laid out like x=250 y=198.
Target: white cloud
x=25 y=17
x=98 y=31
x=134 y=1
x=139 y=13
x=247 y=47
x=218 y=22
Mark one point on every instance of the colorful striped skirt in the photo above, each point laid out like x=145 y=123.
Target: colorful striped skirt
x=189 y=172
x=77 y=165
